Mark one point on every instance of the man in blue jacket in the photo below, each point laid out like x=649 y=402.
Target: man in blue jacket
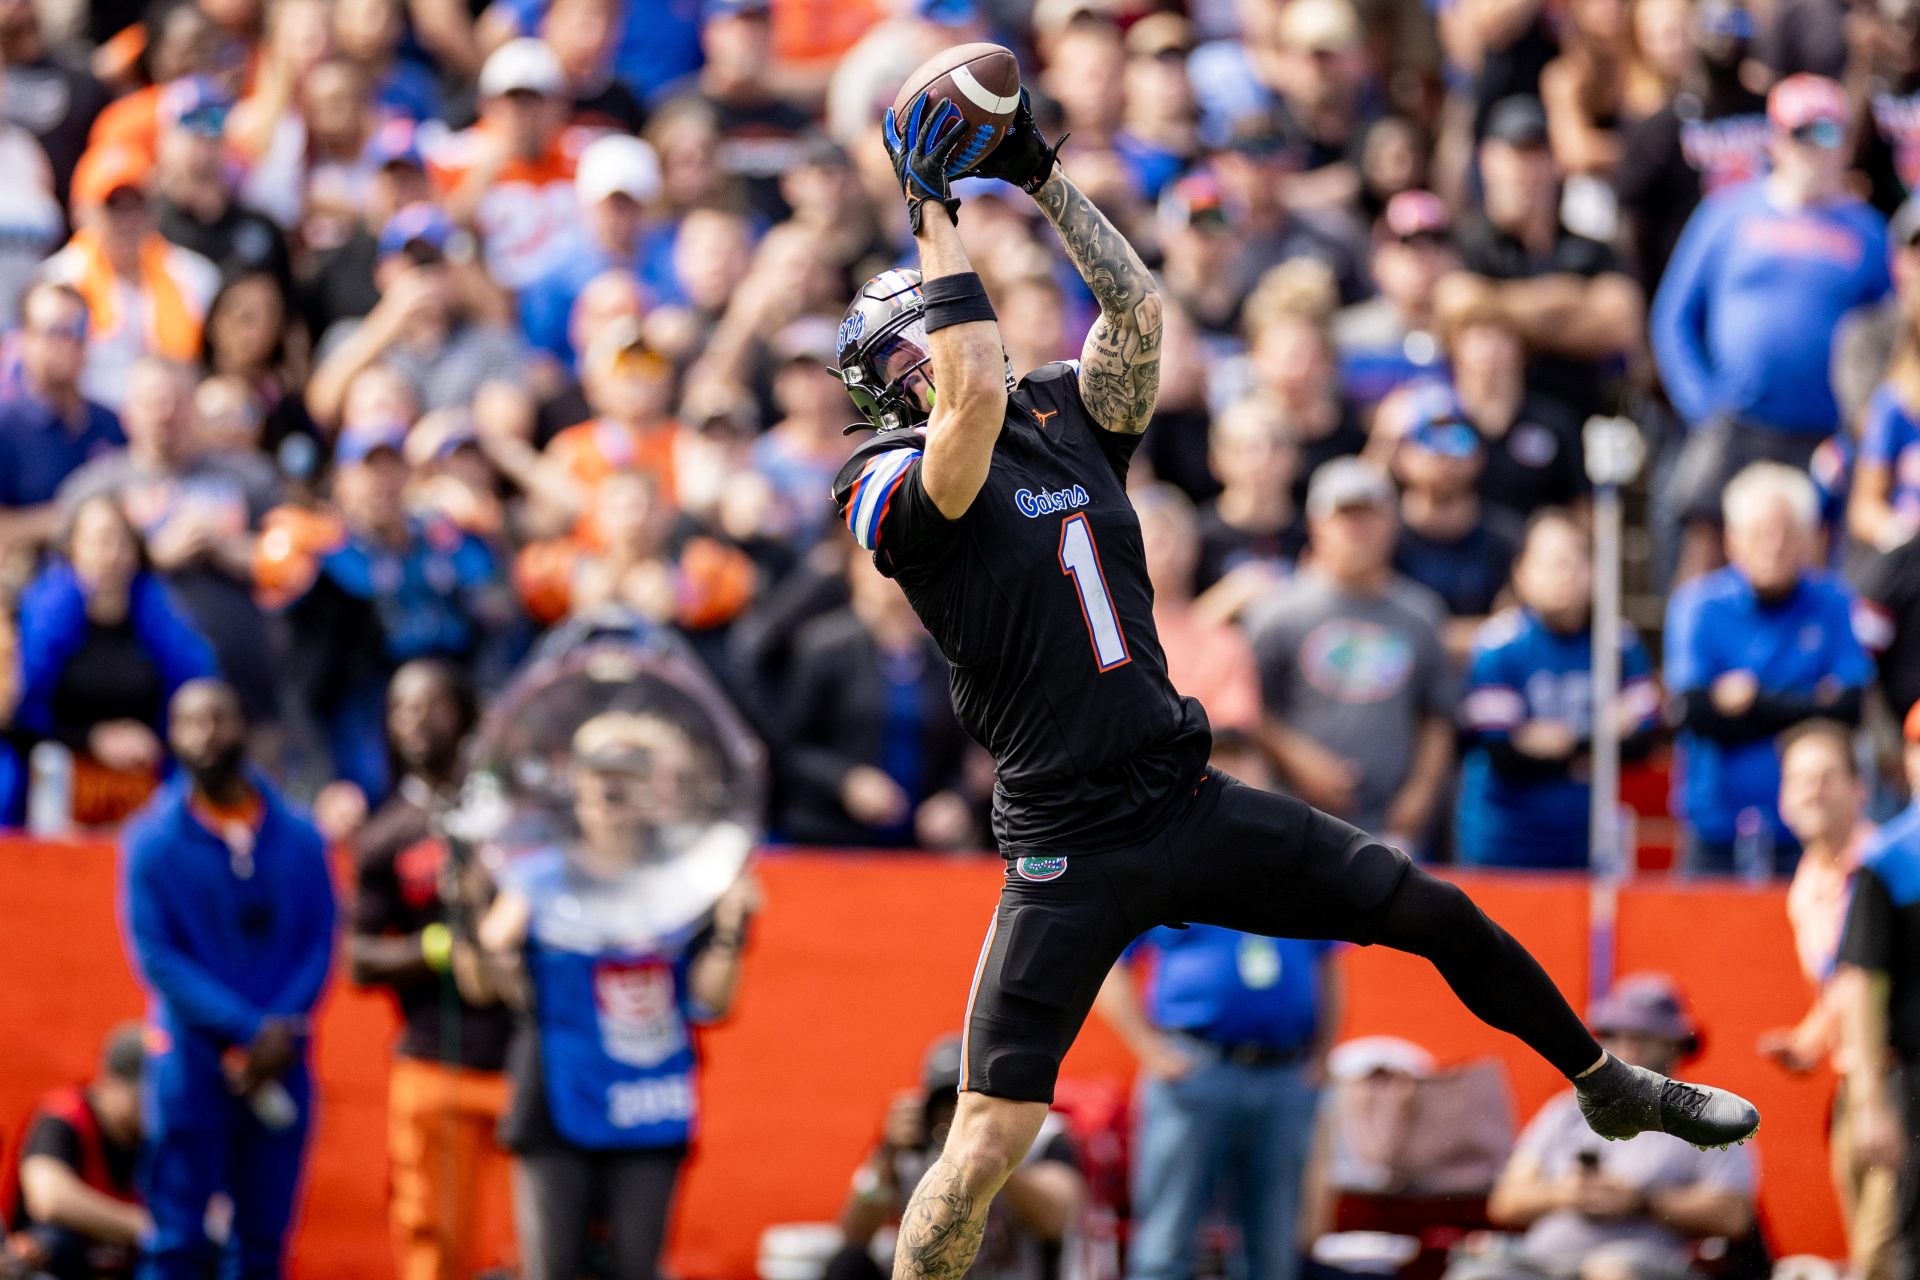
x=1742 y=327
x=229 y=912
x=1752 y=650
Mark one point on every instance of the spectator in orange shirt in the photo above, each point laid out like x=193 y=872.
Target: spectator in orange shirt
x=629 y=386
x=1206 y=659
x=510 y=177
x=145 y=296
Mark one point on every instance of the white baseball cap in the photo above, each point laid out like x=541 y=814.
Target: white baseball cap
x=522 y=64
x=616 y=163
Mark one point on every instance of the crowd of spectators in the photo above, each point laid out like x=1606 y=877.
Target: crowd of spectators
x=348 y=345
x=339 y=337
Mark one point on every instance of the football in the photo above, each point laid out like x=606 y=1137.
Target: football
x=983 y=81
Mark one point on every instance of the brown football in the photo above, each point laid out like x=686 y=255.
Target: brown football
x=983 y=81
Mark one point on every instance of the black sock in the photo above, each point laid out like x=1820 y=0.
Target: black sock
x=1494 y=976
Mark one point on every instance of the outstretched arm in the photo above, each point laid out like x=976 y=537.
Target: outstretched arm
x=1120 y=363
x=970 y=384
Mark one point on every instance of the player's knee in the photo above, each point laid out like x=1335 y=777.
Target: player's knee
x=990 y=1137
x=1374 y=871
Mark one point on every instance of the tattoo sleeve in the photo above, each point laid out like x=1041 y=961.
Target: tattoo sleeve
x=1120 y=363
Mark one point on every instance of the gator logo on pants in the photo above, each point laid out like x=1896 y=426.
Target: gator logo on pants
x=1039 y=870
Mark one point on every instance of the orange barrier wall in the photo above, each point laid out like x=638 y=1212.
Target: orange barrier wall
x=859 y=961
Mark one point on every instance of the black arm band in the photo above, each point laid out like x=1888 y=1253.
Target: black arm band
x=959 y=299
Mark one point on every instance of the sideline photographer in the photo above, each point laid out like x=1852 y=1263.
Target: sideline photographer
x=1028 y=1226
x=602 y=1062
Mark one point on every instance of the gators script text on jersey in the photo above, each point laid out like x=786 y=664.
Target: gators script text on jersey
x=1040 y=599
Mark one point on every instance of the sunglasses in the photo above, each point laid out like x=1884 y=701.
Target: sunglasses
x=73 y=331
x=1824 y=134
x=126 y=200
x=205 y=122
x=1423 y=240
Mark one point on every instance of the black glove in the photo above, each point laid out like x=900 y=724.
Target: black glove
x=920 y=153
x=1023 y=156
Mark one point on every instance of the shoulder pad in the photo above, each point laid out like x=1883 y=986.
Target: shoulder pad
x=907 y=438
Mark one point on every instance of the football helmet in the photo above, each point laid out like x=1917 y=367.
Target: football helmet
x=882 y=341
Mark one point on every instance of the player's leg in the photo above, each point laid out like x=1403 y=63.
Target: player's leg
x=1059 y=926
x=1274 y=865
x=941 y=1228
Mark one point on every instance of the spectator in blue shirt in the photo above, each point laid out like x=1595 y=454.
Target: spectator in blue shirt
x=50 y=429
x=1753 y=649
x=1528 y=713
x=1232 y=1039
x=1742 y=326
x=1393 y=339
x=1883 y=509
x=617 y=178
x=229 y=912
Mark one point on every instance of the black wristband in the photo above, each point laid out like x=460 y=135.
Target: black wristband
x=955 y=300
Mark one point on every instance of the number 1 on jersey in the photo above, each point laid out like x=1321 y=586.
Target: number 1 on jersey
x=1080 y=560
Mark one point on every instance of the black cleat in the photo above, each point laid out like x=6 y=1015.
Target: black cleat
x=1620 y=1101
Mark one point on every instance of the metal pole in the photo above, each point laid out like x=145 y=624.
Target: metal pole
x=1613 y=454
x=1608 y=860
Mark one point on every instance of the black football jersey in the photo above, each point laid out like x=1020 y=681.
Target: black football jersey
x=1040 y=599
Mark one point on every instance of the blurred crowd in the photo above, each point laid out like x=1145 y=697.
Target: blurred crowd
x=342 y=336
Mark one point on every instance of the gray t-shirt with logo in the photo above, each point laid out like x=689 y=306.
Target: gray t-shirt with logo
x=1357 y=674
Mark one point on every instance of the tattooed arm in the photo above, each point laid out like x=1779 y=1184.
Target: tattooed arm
x=1120 y=363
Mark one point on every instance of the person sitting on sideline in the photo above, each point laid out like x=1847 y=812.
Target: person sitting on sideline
x=73 y=1213
x=1028 y=1223
x=1627 y=1210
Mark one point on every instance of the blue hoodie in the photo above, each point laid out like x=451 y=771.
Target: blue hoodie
x=220 y=951
x=53 y=626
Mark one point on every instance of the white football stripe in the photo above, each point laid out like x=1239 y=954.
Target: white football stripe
x=981 y=96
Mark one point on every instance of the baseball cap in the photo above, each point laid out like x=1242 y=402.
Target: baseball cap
x=1518 y=121
x=396 y=142
x=1727 y=20
x=523 y=65
x=104 y=170
x=198 y=104
x=947 y=13
x=1380 y=1055
x=619 y=340
x=1416 y=213
x=1194 y=201
x=1343 y=483
x=1804 y=102
x=1319 y=26
x=361 y=440
x=1159 y=33
x=617 y=164
x=1646 y=1004
x=125 y=1055
x=1437 y=424
x=417 y=223
x=940 y=1069
x=734 y=9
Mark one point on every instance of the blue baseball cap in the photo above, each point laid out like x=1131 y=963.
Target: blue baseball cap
x=418 y=223
x=396 y=142
x=361 y=440
x=947 y=13
x=713 y=9
x=198 y=104
x=1438 y=424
